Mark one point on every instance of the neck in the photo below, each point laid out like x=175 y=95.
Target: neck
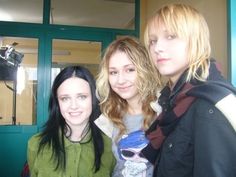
x=171 y=84
x=78 y=132
x=134 y=107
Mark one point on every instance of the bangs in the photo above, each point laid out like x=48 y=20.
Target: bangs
x=174 y=20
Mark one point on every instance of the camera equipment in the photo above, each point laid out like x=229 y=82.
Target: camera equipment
x=10 y=56
x=9 y=62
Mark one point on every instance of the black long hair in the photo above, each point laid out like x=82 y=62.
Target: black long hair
x=54 y=129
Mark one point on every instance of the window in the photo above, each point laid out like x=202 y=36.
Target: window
x=73 y=52
x=18 y=82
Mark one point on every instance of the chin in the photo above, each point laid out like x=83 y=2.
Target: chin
x=163 y=73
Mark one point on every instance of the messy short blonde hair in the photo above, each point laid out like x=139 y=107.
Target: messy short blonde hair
x=148 y=82
x=186 y=22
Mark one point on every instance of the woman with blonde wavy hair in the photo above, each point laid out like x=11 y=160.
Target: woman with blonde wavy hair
x=126 y=85
x=194 y=135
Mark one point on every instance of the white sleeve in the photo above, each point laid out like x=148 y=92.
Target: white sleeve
x=105 y=124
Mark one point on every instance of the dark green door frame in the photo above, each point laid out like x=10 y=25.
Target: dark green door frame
x=232 y=39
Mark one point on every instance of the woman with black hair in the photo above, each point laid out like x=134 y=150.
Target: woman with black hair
x=70 y=143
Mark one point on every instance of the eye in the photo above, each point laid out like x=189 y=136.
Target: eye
x=152 y=42
x=64 y=99
x=170 y=37
x=130 y=70
x=82 y=97
x=113 y=72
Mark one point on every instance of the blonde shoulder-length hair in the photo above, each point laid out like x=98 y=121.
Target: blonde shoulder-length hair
x=148 y=82
x=185 y=22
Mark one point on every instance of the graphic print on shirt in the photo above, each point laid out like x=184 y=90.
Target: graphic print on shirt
x=129 y=148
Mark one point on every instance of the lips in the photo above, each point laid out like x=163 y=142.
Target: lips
x=161 y=59
x=75 y=113
x=123 y=88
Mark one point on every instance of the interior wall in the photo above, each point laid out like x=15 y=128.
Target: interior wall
x=215 y=12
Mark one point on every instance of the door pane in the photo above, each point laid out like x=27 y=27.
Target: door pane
x=30 y=11
x=118 y=14
x=72 y=52
x=18 y=81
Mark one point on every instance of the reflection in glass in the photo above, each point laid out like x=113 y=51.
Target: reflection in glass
x=118 y=14
x=18 y=85
x=30 y=11
x=72 y=52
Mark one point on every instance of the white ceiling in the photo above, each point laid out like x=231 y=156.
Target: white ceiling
x=96 y=13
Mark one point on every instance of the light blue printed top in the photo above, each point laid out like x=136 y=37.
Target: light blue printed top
x=131 y=165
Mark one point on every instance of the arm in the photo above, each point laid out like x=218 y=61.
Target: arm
x=31 y=155
x=113 y=164
x=150 y=152
x=214 y=143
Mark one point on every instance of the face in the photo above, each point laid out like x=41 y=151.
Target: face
x=75 y=101
x=168 y=52
x=122 y=76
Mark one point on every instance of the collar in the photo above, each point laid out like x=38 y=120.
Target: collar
x=86 y=139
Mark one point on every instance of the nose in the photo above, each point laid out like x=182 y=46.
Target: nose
x=121 y=78
x=74 y=104
x=158 y=46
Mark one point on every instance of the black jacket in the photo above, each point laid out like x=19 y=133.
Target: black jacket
x=203 y=142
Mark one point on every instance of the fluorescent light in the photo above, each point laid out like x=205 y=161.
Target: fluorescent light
x=35 y=51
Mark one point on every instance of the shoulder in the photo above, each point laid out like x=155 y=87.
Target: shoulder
x=205 y=114
x=107 y=141
x=220 y=95
x=33 y=142
x=202 y=109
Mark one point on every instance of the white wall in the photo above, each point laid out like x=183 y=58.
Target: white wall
x=216 y=16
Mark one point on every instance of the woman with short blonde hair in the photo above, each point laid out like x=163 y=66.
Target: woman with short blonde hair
x=194 y=136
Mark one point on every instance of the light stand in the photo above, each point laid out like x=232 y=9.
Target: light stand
x=11 y=59
x=14 y=97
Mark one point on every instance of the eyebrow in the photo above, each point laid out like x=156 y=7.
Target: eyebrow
x=79 y=93
x=131 y=64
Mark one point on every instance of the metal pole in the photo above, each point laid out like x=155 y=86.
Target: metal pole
x=14 y=96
